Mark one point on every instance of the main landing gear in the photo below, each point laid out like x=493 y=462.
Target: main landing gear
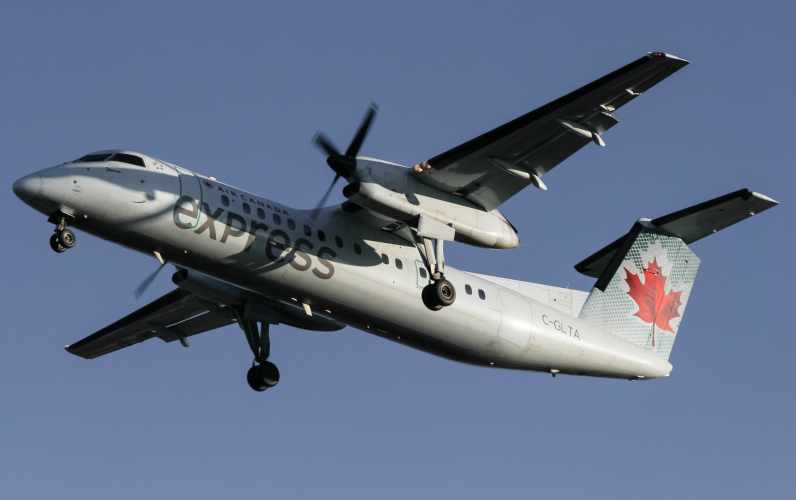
x=64 y=238
x=440 y=292
x=263 y=374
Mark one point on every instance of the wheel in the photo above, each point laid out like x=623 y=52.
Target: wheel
x=67 y=238
x=254 y=381
x=263 y=376
x=444 y=292
x=269 y=374
x=55 y=244
x=430 y=298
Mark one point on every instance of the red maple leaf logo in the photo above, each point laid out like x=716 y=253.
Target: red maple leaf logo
x=654 y=306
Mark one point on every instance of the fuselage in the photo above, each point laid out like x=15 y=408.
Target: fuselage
x=341 y=264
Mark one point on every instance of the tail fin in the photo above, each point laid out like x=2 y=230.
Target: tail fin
x=646 y=277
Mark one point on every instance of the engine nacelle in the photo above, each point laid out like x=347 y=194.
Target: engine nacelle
x=471 y=225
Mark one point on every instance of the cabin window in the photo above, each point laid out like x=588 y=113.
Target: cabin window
x=247 y=209
x=307 y=230
x=277 y=220
x=481 y=294
x=338 y=241
x=399 y=264
x=129 y=159
x=357 y=249
x=291 y=225
x=468 y=289
x=261 y=213
x=385 y=259
x=224 y=200
x=321 y=235
x=94 y=157
x=423 y=273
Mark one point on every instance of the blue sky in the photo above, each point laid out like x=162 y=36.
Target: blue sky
x=237 y=90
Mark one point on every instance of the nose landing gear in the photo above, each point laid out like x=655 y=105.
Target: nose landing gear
x=64 y=238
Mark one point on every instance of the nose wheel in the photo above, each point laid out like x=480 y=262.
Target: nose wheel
x=63 y=239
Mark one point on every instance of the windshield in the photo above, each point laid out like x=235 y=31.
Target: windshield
x=93 y=157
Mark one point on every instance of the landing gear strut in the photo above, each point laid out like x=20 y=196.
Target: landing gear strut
x=265 y=374
x=440 y=293
x=64 y=238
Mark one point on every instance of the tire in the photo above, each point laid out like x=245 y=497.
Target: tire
x=67 y=238
x=56 y=245
x=430 y=298
x=268 y=374
x=254 y=380
x=444 y=292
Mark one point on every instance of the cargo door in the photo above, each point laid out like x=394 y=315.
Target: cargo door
x=516 y=324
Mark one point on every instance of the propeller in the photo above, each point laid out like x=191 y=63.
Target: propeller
x=139 y=291
x=342 y=164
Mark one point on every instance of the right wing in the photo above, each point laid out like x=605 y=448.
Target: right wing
x=174 y=315
x=493 y=167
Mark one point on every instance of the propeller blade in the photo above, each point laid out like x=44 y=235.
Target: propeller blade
x=320 y=205
x=148 y=281
x=356 y=143
x=325 y=144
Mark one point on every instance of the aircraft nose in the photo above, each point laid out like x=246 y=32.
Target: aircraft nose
x=27 y=188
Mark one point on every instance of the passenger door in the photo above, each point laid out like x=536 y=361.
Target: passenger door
x=190 y=187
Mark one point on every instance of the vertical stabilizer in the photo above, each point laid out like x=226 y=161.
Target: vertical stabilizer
x=642 y=294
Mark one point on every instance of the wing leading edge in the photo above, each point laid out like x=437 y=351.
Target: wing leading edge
x=493 y=167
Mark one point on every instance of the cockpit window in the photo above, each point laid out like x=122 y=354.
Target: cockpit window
x=94 y=157
x=125 y=158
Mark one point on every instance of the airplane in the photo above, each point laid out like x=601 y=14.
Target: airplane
x=376 y=262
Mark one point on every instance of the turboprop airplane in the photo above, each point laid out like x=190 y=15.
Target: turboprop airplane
x=376 y=262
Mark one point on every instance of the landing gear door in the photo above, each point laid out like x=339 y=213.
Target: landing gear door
x=422 y=274
x=190 y=203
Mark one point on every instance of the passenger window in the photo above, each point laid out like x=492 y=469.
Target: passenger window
x=481 y=294
x=224 y=200
x=468 y=289
x=261 y=213
x=130 y=159
x=357 y=249
x=338 y=241
x=247 y=209
x=291 y=225
x=307 y=230
x=423 y=273
x=321 y=235
x=385 y=259
x=399 y=264
x=277 y=220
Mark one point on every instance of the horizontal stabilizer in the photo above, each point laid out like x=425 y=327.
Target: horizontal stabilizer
x=690 y=225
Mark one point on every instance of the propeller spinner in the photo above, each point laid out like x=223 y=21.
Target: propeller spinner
x=343 y=164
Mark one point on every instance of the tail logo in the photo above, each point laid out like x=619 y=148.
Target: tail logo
x=654 y=304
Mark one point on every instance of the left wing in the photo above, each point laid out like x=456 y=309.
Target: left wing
x=170 y=317
x=493 y=167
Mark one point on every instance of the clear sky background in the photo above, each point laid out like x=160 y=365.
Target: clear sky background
x=236 y=90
